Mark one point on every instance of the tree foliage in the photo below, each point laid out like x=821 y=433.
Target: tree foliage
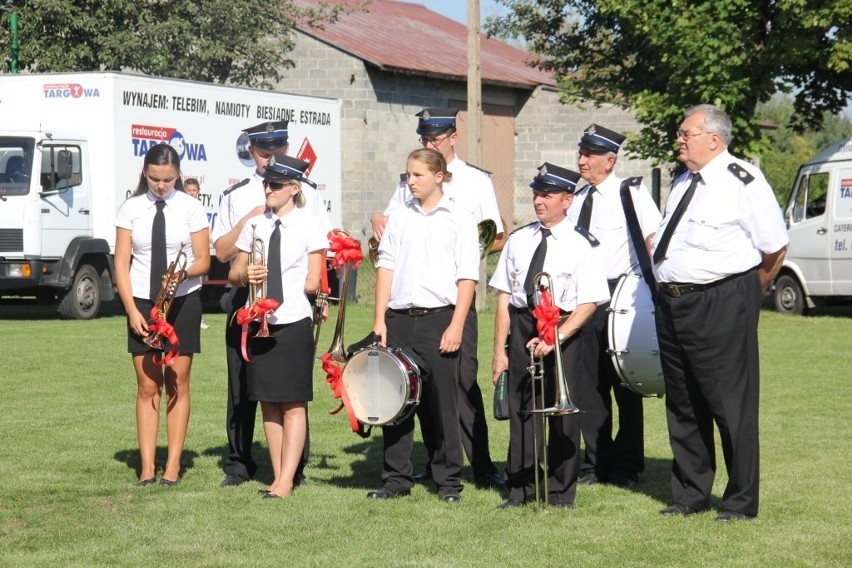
x=242 y=42
x=658 y=57
x=788 y=149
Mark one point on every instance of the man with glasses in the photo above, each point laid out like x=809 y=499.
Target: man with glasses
x=720 y=244
x=241 y=202
x=598 y=209
x=470 y=188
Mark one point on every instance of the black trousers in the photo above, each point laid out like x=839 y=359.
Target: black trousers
x=563 y=450
x=472 y=421
x=709 y=353
x=438 y=407
x=605 y=456
x=241 y=413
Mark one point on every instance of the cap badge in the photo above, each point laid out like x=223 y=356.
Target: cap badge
x=426 y=115
x=591 y=129
x=542 y=170
x=270 y=127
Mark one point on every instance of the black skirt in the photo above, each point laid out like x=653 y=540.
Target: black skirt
x=185 y=317
x=281 y=368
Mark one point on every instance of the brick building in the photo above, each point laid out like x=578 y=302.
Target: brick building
x=387 y=63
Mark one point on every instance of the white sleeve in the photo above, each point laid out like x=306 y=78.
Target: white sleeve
x=399 y=198
x=222 y=223
x=647 y=211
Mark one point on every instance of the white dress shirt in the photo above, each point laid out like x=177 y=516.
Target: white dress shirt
x=725 y=227
x=576 y=270
x=184 y=215
x=429 y=252
x=609 y=224
x=300 y=235
x=469 y=187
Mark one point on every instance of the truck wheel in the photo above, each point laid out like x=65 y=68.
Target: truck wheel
x=789 y=298
x=83 y=299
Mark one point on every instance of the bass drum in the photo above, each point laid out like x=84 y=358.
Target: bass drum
x=632 y=337
x=383 y=385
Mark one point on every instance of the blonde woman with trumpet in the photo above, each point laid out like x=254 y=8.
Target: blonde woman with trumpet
x=578 y=284
x=151 y=227
x=281 y=371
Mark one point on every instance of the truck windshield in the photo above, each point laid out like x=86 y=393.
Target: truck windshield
x=16 y=164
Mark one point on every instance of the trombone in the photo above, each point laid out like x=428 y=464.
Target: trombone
x=542 y=286
x=336 y=351
x=258 y=291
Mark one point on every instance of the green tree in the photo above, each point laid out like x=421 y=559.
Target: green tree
x=243 y=42
x=658 y=57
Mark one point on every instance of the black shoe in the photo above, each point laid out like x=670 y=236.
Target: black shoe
x=588 y=478
x=424 y=476
x=449 y=495
x=269 y=495
x=678 y=509
x=262 y=492
x=146 y=482
x=510 y=504
x=233 y=480
x=627 y=482
x=300 y=480
x=491 y=480
x=169 y=482
x=385 y=493
x=727 y=516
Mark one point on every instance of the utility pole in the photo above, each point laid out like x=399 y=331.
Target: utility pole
x=474 y=113
x=13 y=28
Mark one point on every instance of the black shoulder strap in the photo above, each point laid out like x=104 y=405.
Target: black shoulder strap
x=741 y=173
x=587 y=235
x=235 y=186
x=403 y=178
x=636 y=234
x=486 y=172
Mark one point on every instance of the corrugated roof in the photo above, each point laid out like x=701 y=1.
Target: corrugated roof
x=409 y=38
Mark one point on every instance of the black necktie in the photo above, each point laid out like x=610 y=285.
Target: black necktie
x=158 y=251
x=584 y=221
x=536 y=266
x=274 y=289
x=663 y=245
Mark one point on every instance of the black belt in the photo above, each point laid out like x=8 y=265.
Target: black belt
x=514 y=310
x=418 y=312
x=677 y=289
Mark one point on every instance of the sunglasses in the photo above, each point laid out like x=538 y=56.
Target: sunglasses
x=277 y=185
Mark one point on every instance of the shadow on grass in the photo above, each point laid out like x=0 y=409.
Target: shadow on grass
x=132 y=460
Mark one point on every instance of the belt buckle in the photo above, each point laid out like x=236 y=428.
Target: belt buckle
x=674 y=291
x=416 y=312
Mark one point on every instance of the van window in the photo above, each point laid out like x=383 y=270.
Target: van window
x=55 y=171
x=810 y=197
x=16 y=160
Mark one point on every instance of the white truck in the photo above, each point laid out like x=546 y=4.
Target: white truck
x=818 y=266
x=71 y=151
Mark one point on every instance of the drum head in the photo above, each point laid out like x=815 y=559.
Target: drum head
x=378 y=385
x=632 y=335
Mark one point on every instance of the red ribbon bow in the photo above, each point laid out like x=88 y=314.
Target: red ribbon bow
x=158 y=326
x=547 y=317
x=334 y=378
x=345 y=249
x=254 y=312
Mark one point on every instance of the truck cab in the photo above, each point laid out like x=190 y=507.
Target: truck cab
x=46 y=242
x=818 y=266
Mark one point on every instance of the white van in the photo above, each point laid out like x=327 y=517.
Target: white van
x=818 y=267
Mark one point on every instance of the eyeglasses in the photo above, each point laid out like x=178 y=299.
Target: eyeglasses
x=431 y=140
x=277 y=185
x=689 y=135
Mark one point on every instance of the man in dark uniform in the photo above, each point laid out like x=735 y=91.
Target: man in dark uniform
x=241 y=202
x=720 y=244
x=598 y=208
x=578 y=285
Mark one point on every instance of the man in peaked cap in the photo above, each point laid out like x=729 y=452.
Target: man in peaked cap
x=471 y=188
x=598 y=209
x=551 y=244
x=241 y=202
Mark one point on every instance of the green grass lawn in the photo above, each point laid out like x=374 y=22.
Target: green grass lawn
x=68 y=463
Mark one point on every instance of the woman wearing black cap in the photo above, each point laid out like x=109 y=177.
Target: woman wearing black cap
x=294 y=247
x=150 y=228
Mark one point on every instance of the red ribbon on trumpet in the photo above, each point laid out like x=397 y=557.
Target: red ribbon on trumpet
x=345 y=249
x=334 y=378
x=547 y=318
x=158 y=325
x=254 y=312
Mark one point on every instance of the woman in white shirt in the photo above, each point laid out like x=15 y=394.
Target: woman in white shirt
x=160 y=217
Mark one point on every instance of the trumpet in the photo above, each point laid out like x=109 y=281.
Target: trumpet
x=336 y=351
x=257 y=291
x=175 y=274
x=563 y=405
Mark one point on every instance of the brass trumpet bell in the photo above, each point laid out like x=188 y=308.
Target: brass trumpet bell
x=487 y=236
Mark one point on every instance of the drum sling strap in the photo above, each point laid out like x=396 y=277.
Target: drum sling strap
x=636 y=235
